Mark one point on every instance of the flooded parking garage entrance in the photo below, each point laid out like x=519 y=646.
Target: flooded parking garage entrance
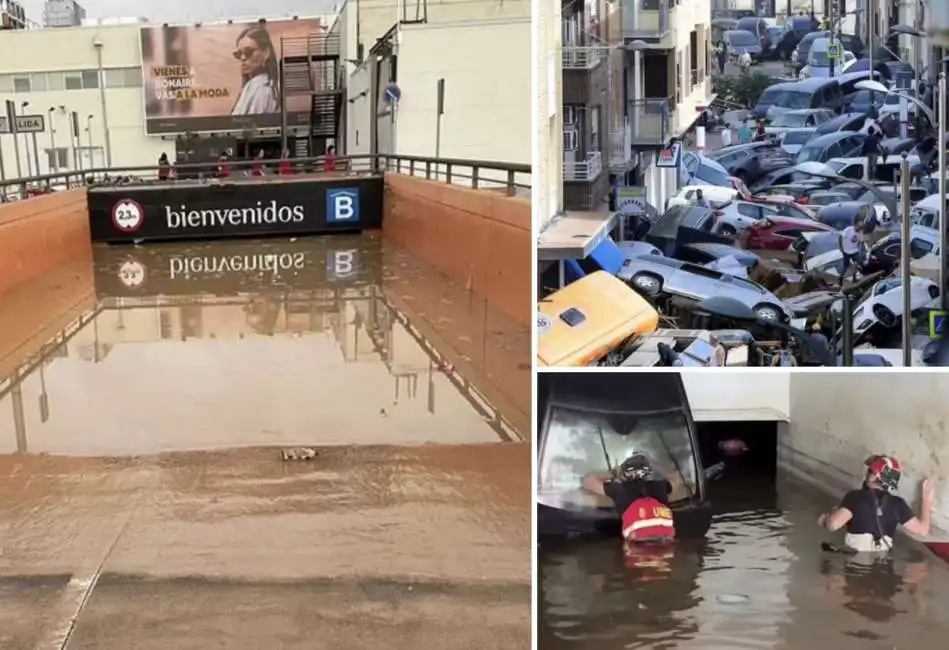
x=147 y=503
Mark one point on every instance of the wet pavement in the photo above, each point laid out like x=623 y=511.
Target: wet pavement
x=146 y=502
x=759 y=581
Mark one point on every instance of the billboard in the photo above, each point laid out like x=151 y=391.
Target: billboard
x=221 y=77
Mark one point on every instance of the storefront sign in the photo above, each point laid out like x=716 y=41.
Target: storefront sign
x=232 y=268
x=224 y=77
x=129 y=213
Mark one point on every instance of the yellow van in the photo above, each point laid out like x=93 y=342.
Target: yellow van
x=587 y=319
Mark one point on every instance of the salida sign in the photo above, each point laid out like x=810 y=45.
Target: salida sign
x=121 y=214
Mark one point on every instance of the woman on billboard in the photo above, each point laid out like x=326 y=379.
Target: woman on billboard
x=260 y=88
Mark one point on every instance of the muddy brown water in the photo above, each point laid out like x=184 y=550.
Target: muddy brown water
x=760 y=580
x=145 y=494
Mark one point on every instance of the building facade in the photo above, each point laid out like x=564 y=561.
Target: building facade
x=399 y=54
x=635 y=77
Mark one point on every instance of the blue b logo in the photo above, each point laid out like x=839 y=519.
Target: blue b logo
x=342 y=205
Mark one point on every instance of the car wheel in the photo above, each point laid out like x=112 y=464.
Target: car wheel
x=727 y=230
x=647 y=283
x=885 y=315
x=768 y=312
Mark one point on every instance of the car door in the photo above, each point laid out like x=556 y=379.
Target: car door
x=832 y=150
x=749 y=213
x=696 y=282
x=787 y=234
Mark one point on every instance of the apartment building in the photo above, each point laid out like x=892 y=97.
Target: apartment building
x=635 y=76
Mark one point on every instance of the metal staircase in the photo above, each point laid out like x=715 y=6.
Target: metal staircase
x=310 y=65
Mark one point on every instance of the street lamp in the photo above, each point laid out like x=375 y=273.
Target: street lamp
x=877 y=87
x=26 y=143
x=89 y=141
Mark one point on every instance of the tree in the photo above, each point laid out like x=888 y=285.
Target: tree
x=744 y=90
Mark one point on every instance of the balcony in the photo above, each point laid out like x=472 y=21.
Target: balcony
x=621 y=149
x=646 y=20
x=649 y=122
x=581 y=58
x=583 y=171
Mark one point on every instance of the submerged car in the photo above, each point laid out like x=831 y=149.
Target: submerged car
x=882 y=307
x=589 y=424
x=655 y=276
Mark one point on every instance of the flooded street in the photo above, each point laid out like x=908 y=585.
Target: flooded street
x=760 y=580
x=146 y=501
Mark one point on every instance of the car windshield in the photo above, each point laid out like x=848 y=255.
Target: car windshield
x=797 y=137
x=870 y=197
x=818 y=57
x=864 y=97
x=787 y=98
x=712 y=175
x=837 y=165
x=574 y=448
x=742 y=38
x=790 y=119
x=809 y=153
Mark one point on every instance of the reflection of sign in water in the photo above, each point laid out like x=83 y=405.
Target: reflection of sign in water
x=128 y=215
x=259 y=264
x=132 y=273
x=341 y=265
x=342 y=205
x=543 y=323
x=937 y=323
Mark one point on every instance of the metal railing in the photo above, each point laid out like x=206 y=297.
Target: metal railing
x=649 y=119
x=646 y=18
x=583 y=170
x=581 y=58
x=511 y=178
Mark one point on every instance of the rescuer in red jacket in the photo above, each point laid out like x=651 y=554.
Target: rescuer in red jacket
x=641 y=498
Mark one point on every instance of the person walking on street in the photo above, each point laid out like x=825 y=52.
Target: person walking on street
x=871 y=149
x=849 y=244
x=727 y=136
x=721 y=54
x=744 y=133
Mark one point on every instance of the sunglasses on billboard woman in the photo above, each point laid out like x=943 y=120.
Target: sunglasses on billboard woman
x=245 y=52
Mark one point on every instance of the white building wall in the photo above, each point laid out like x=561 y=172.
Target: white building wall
x=40 y=57
x=546 y=107
x=358 y=107
x=486 y=67
x=723 y=396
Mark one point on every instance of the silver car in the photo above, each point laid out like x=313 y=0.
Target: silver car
x=653 y=276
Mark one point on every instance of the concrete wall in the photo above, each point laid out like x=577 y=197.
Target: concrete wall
x=838 y=419
x=486 y=68
x=546 y=107
x=738 y=396
x=486 y=347
x=36 y=311
x=358 y=109
x=477 y=238
x=40 y=233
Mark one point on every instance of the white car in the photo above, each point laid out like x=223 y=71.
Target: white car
x=633 y=248
x=883 y=304
x=711 y=193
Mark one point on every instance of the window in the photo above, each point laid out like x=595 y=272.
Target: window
x=919 y=248
x=6 y=83
x=852 y=171
x=38 y=81
x=594 y=141
x=55 y=81
x=90 y=78
x=752 y=211
x=21 y=84
x=73 y=80
x=133 y=77
x=57 y=158
x=578 y=443
x=115 y=78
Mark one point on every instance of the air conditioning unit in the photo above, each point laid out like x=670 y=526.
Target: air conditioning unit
x=569 y=115
x=571 y=140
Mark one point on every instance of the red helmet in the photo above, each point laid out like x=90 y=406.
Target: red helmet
x=885 y=471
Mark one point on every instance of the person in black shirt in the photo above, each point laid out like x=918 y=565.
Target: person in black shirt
x=871 y=149
x=873 y=513
x=633 y=487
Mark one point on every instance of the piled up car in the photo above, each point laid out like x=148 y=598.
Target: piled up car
x=751 y=243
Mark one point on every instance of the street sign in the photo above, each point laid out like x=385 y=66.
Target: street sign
x=24 y=124
x=833 y=51
x=937 y=321
x=670 y=157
